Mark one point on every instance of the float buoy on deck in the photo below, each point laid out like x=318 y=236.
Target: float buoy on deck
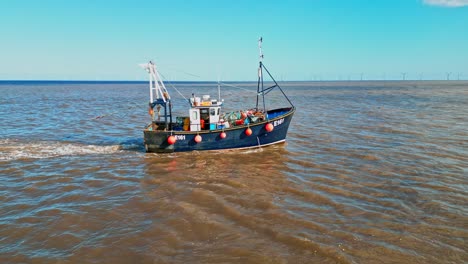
x=198 y=138
x=269 y=127
x=171 y=140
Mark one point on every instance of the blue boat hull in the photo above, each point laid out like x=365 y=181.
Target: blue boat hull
x=236 y=138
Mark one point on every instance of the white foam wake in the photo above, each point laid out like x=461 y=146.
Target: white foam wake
x=16 y=149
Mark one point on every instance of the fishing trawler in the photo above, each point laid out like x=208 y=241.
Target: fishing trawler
x=206 y=126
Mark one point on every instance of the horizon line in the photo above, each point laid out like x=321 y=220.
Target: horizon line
x=213 y=81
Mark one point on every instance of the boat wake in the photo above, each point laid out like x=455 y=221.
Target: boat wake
x=12 y=149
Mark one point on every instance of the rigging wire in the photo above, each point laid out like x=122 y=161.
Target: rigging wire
x=238 y=87
x=167 y=81
x=226 y=84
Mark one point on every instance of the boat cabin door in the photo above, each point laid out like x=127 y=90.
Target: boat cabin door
x=194 y=119
x=214 y=116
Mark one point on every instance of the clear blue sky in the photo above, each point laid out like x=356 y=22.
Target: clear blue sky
x=207 y=40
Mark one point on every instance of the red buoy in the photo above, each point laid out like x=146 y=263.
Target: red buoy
x=269 y=127
x=198 y=138
x=248 y=131
x=222 y=135
x=171 y=140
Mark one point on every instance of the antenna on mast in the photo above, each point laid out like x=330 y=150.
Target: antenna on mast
x=260 y=40
x=260 y=75
x=219 y=89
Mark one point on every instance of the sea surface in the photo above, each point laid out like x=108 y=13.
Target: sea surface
x=372 y=172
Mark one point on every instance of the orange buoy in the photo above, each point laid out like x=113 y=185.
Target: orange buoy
x=198 y=138
x=150 y=111
x=269 y=127
x=171 y=140
x=222 y=135
x=248 y=131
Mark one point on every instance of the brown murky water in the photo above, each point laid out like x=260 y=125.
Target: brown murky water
x=372 y=172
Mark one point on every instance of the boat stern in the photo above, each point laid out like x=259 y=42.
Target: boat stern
x=157 y=141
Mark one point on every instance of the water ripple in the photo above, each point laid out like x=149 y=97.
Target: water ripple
x=371 y=173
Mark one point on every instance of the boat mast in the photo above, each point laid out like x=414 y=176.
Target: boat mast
x=159 y=96
x=260 y=89
x=157 y=87
x=260 y=74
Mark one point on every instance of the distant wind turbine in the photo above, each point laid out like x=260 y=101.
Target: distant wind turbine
x=403 y=75
x=448 y=76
